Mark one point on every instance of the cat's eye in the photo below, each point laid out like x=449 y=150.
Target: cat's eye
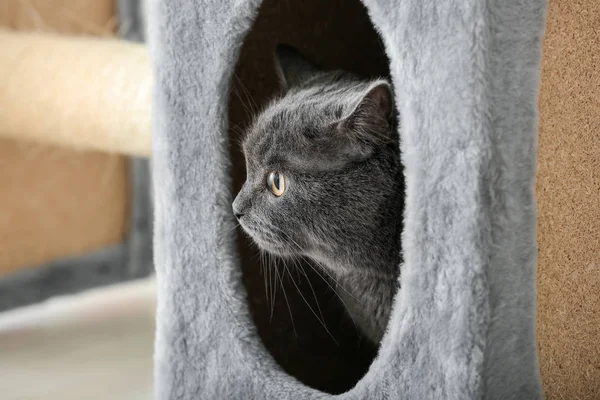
x=276 y=183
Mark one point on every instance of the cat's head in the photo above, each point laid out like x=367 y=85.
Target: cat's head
x=322 y=162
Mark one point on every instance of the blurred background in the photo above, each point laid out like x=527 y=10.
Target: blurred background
x=77 y=292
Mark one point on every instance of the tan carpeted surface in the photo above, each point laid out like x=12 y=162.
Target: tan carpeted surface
x=56 y=202
x=568 y=190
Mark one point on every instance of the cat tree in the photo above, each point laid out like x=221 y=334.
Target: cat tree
x=114 y=70
x=75 y=210
x=466 y=76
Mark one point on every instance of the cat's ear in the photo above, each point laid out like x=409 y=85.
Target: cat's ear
x=292 y=68
x=372 y=114
x=369 y=123
x=375 y=103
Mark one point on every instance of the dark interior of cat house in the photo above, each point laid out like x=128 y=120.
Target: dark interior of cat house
x=298 y=316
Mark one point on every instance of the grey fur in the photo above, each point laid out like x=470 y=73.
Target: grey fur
x=466 y=76
x=334 y=140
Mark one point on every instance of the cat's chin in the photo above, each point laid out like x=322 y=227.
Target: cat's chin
x=278 y=249
x=275 y=249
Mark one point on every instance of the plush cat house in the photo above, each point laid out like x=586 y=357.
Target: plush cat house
x=466 y=77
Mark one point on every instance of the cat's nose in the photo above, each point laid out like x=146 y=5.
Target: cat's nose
x=236 y=211
x=238 y=206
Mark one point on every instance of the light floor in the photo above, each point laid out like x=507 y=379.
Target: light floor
x=95 y=345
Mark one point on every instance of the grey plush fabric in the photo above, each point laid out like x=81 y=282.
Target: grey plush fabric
x=132 y=19
x=466 y=76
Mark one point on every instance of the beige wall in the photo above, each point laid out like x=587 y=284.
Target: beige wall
x=55 y=202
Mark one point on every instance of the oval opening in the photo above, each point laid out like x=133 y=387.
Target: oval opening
x=290 y=303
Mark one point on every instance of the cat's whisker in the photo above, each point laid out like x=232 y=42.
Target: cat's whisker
x=308 y=304
x=287 y=238
x=238 y=129
x=247 y=93
x=268 y=282
x=324 y=269
x=292 y=243
x=237 y=224
x=333 y=290
x=238 y=141
x=289 y=241
x=248 y=104
x=287 y=302
x=247 y=110
x=272 y=283
x=264 y=271
x=300 y=267
x=295 y=267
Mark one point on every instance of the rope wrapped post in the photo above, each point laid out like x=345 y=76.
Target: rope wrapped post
x=82 y=93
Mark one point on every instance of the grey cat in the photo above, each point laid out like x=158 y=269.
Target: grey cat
x=325 y=181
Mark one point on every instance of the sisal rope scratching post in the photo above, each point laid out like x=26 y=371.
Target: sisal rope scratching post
x=82 y=93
